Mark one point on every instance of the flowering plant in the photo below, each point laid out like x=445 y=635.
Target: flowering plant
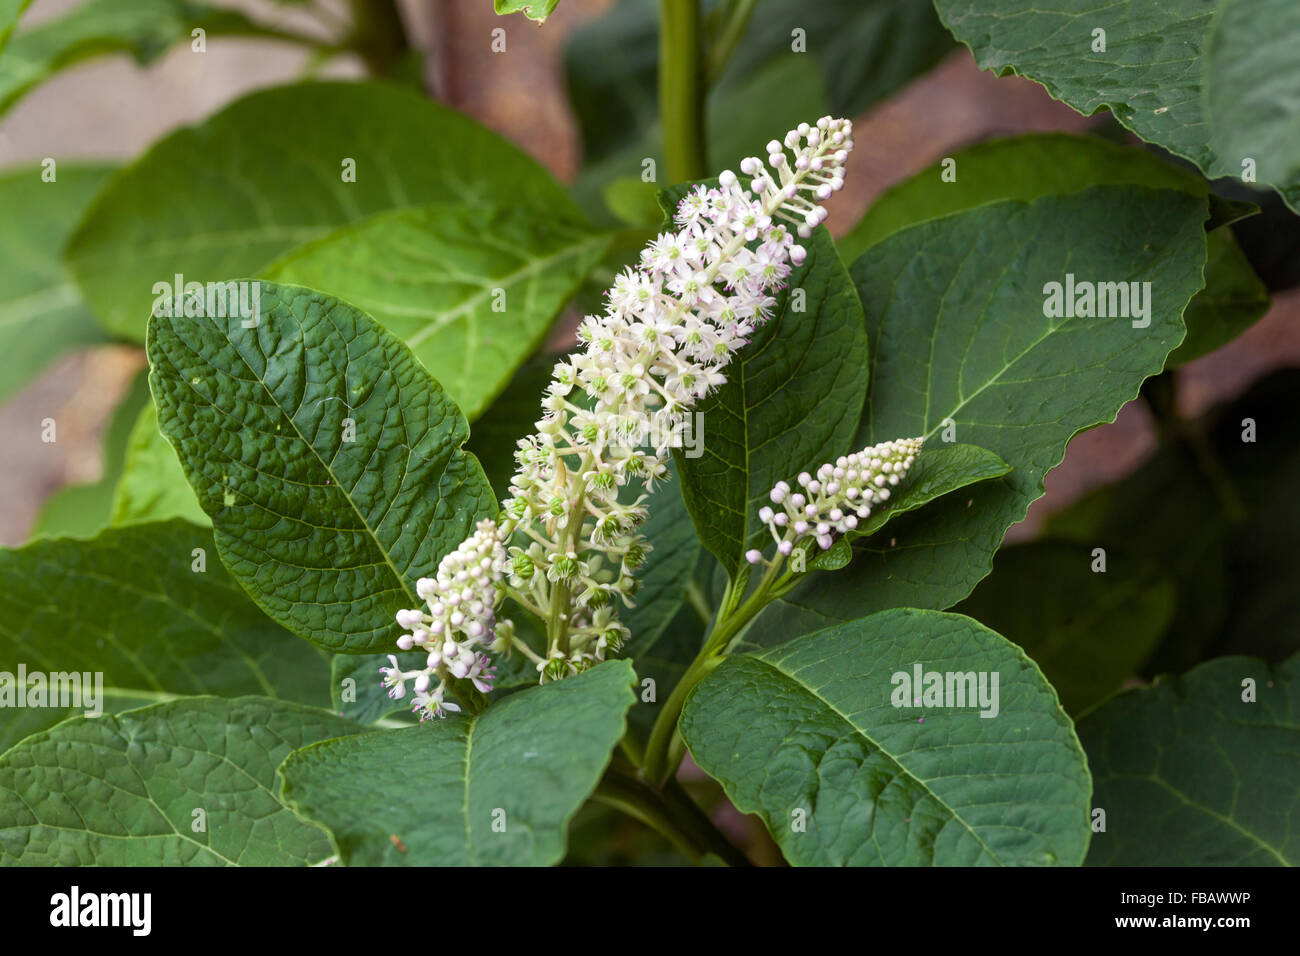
x=464 y=517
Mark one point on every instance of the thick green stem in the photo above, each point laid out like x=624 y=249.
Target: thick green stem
x=681 y=89
x=665 y=748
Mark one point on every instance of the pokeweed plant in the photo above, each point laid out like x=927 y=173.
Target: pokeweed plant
x=733 y=522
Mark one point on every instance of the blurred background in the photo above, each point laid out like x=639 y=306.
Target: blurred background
x=112 y=108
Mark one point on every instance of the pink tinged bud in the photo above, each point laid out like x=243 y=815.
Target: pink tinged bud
x=749 y=165
x=727 y=178
x=422 y=683
x=436 y=627
x=781 y=520
x=785 y=547
x=774 y=147
x=457 y=619
x=458 y=668
x=765 y=514
x=801 y=527
x=823 y=528
x=810 y=511
x=824 y=540
x=850 y=522
x=753 y=556
x=410 y=619
x=798 y=255
x=405 y=642
x=804 y=478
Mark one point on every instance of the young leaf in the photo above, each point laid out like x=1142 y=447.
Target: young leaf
x=10 y=12
x=496 y=789
x=1088 y=631
x=537 y=10
x=962 y=350
x=1214 y=81
x=41 y=313
x=471 y=289
x=151 y=609
x=790 y=403
x=153 y=486
x=328 y=459
x=281 y=167
x=1199 y=770
x=189 y=782
x=1057 y=164
x=848 y=764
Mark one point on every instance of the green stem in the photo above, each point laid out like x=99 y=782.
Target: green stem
x=637 y=800
x=666 y=748
x=706 y=834
x=727 y=26
x=681 y=89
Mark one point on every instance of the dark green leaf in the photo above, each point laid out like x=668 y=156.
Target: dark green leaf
x=1214 y=81
x=495 y=789
x=1192 y=773
x=846 y=765
x=955 y=317
x=122 y=790
x=327 y=534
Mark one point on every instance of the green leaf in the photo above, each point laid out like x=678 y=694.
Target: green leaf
x=1213 y=81
x=122 y=790
x=471 y=289
x=955 y=320
x=153 y=486
x=823 y=739
x=41 y=313
x=130 y=605
x=537 y=10
x=442 y=790
x=272 y=167
x=84 y=509
x=790 y=403
x=1042 y=164
x=369 y=698
x=1088 y=631
x=143 y=28
x=1190 y=773
x=938 y=470
x=328 y=535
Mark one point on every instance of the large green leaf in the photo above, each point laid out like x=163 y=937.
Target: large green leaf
x=1192 y=773
x=152 y=486
x=131 y=605
x=84 y=509
x=790 y=403
x=808 y=736
x=41 y=314
x=1214 y=81
x=1088 y=630
x=327 y=534
x=123 y=790
x=471 y=289
x=143 y=28
x=1043 y=164
x=495 y=789
x=226 y=197
x=957 y=333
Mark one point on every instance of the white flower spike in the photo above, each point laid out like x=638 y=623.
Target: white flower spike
x=670 y=327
